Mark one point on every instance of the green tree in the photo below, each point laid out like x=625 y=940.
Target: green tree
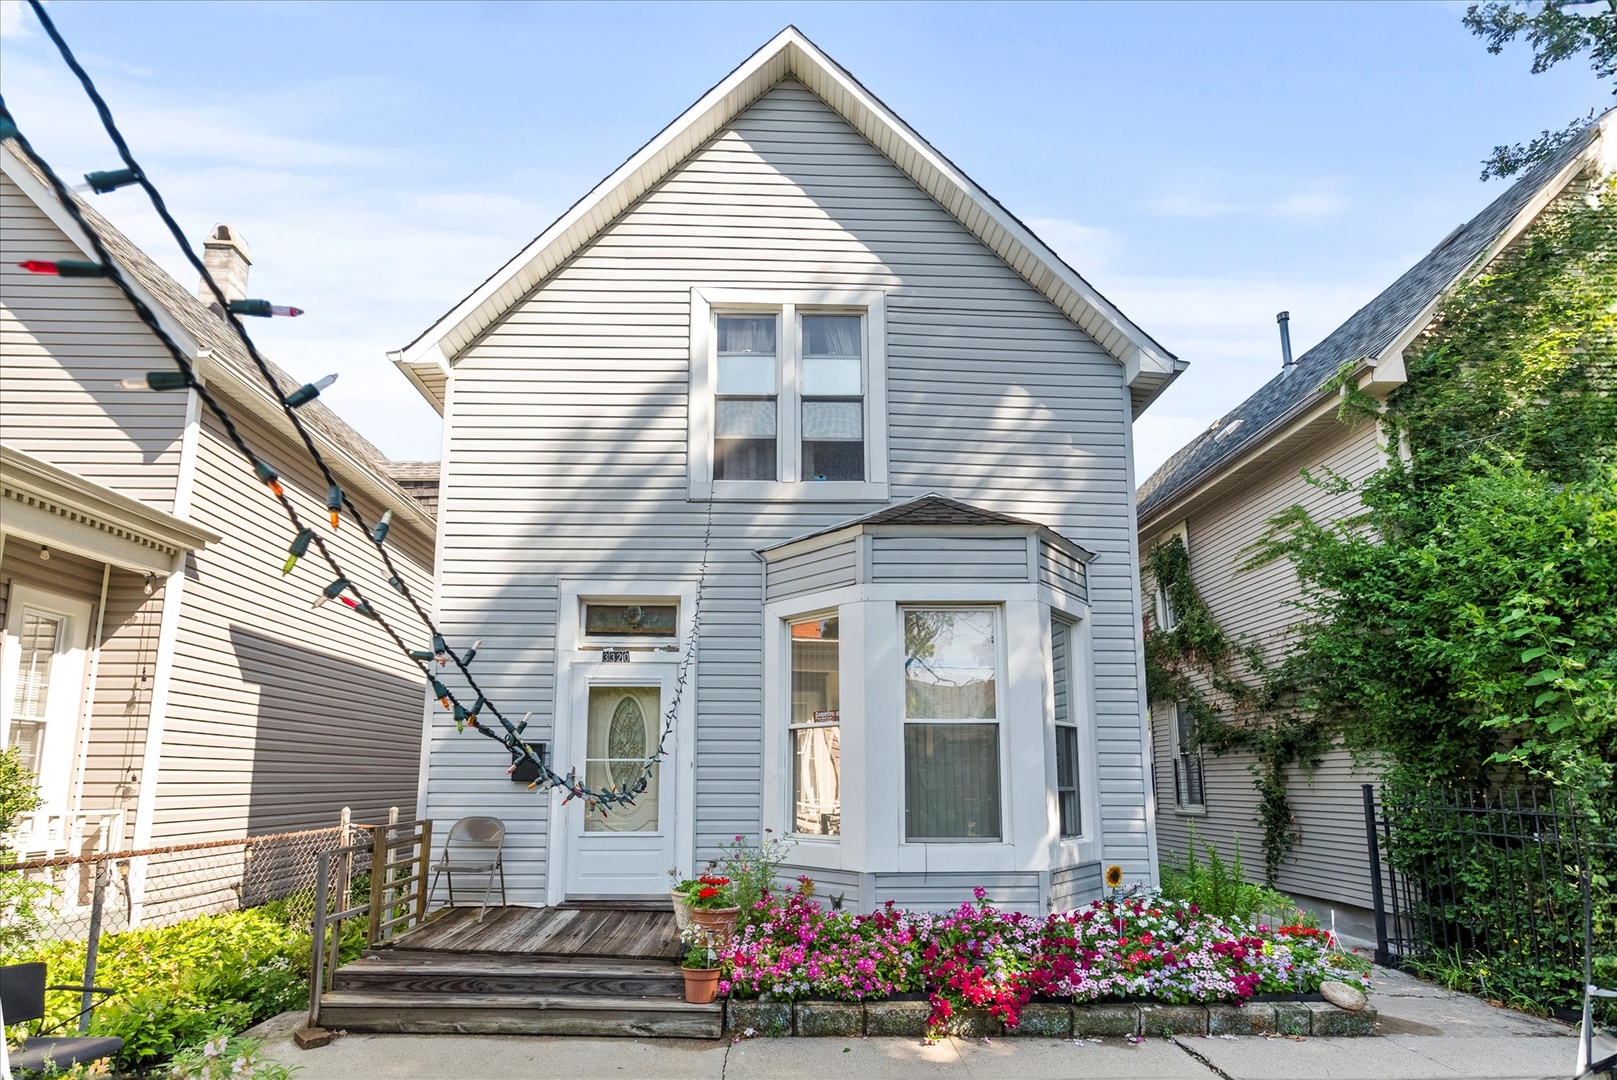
x=1557 y=30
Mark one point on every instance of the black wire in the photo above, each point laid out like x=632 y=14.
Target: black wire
x=518 y=749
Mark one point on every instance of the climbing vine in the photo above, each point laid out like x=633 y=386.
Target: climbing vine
x=1238 y=702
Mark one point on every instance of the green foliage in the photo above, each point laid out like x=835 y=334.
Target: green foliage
x=223 y=1057
x=1558 y=30
x=21 y=900
x=180 y=986
x=752 y=872
x=1238 y=702
x=1221 y=890
x=1467 y=620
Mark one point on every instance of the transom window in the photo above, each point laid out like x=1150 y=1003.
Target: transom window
x=951 y=724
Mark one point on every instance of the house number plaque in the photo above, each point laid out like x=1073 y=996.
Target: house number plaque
x=614 y=656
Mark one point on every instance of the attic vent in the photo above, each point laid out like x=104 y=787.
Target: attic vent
x=1229 y=429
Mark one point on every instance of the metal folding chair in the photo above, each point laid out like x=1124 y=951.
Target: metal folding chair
x=22 y=999
x=473 y=847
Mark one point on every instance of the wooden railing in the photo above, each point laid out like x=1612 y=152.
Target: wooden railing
x=398 y=854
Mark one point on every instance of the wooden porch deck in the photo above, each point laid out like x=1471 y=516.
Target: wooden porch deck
x=617 y=931
x=575 y=969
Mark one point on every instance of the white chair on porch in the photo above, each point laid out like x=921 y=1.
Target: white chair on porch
x=473 y=847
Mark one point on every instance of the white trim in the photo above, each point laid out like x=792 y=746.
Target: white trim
x=88 y=714
x=790 y=54
x=1142 y=704
x=185 y=478
x=168 y=629
x=579 y=665
x=445 y=493
x=789 y=305
x=59 y=753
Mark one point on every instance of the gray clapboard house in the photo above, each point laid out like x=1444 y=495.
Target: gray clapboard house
x=1218 y=491
x=790 y=341
x=163 y=679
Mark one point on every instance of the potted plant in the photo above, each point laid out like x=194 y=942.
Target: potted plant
x=700 y=965
x=713 y=907
x=680 y=893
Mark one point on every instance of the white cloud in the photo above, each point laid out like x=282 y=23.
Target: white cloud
x=1315 y=203
x=1085 y=248
x=15 y=20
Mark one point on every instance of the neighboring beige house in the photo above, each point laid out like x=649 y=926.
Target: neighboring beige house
x=163 y=678
x=791 y=342
x=1218 y=492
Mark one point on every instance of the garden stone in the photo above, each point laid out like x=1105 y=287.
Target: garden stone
x=907 y=1018
x=1256 y=1018
x=1330 y=1020
x=973 y=1024
x=830 y=1018
x=763 y=1017
x=1173 y=1020
x=1294 y=1017
x=1098 y=1021
x=1044 y=1019
x=1343 y=996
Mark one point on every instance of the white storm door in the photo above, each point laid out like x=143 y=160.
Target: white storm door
x=42 y=691
x=618 y=716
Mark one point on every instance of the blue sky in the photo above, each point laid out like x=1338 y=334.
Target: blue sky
x=1204 y=165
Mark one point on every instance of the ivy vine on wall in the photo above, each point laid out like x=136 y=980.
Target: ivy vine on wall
x=1238 y=702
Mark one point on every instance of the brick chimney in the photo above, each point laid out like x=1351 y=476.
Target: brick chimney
x=225 y=255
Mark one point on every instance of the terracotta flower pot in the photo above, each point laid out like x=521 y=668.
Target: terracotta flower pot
x=701 y=985
x=682 y=911
x=718 y=923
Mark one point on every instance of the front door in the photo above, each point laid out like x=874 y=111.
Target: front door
x=618 y=716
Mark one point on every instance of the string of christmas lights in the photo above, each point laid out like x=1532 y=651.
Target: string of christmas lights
x=337 y=501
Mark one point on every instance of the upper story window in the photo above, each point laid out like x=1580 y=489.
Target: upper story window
x=788 y=395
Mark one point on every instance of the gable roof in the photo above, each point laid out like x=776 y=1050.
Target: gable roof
x=1150 y=367
x=220 y=354
x=1378 y=332
x=940 y=511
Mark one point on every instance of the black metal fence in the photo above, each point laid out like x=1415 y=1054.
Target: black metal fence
x=1519 y=880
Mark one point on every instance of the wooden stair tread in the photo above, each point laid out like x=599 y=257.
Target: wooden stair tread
x=586 y=1002
x=426 y=961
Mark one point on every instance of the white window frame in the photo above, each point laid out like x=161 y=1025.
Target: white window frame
x=1173 y=762
x=635 y=642
x=792 y=730
x=1074 y=722
x=706 y=304
x=1001 y=690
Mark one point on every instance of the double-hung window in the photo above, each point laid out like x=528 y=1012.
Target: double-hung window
x=816 y=727
x=951 y=724
x=1066 y=724
x=788 y=399
x=1188 y=787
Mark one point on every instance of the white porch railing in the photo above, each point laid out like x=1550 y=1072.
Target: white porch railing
x=50 y=836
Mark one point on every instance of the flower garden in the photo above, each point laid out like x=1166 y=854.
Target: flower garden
x=1139 y=948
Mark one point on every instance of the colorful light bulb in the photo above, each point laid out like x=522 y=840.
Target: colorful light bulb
x=268 y=476
x=111 y=180
x=64 y=267
x=299 y=548
x=309 y=391
x=332 y=591
x=334 y=504
x=379 y=533
x=156 y=380
x=262 y=309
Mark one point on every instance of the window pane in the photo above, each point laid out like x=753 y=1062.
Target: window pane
x=639 y=620
x=37 y=645
x=743 y=459
x=833 y=461
x=951 y=781
x=1067 y=779
x=744 y=420
x=831 y=376
x=817 y=757
x=831 y=335
x=816 y=689
x=625 y=724
x=1060 y=668
x=747 y=375
x=747 y=334
x=949 y=660
x=833 y=420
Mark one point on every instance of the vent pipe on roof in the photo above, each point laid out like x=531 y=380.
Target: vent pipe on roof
x=1286 y=362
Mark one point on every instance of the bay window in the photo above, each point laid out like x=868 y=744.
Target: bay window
x=951 y=724
x=1066 y=725
x=816 y=728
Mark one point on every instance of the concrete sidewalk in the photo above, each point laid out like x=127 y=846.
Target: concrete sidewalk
x=1426 y=1034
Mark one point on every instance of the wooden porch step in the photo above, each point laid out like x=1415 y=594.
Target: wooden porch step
x=518 y=1014
x=413 y=971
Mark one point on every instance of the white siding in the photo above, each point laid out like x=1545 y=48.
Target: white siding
x=948 y=558
x=279 y=715
x=567 y=443
x=814 y=571
x=1075 y=886
x=65 y=344
x=1061 y=571
x=1331 y=857
x=944 y=892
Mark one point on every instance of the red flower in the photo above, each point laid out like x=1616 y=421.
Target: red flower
x=707 y=892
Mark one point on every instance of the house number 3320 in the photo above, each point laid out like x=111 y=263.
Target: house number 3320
x=614 y=656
